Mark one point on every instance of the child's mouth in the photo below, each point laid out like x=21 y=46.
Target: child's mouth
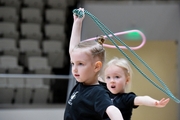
x=113 y=86
x=76 y=75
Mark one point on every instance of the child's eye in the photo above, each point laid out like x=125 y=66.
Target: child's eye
x=80 y=63
x=107 y=77
x=117 y=77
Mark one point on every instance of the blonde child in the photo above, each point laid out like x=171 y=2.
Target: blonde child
x=118 y=77
x=88 y=100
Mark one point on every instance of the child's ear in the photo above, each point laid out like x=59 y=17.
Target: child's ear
x=128 y=79
x=98 y=66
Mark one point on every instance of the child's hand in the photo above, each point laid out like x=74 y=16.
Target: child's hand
x=162 y=102
x=76 y=18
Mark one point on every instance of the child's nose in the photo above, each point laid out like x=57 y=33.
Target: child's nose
x=112 y=80
x=74 y=68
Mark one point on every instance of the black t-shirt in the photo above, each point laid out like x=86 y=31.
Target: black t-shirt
x=124 y=102
x=87 y=102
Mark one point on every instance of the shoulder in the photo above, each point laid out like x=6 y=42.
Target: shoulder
x=100 y=92
x=127 y=95
x=93 y=89
x=126 y=98
x=100 y=88
x=131 y=94
x=129 y=99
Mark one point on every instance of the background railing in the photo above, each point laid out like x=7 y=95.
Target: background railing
x=31 y=88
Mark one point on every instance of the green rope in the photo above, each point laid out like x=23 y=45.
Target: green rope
x=106 y=31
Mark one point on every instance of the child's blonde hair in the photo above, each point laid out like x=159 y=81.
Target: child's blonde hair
x=124 y=64
x=94 y=48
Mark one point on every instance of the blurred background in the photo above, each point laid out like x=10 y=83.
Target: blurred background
x=35 y=75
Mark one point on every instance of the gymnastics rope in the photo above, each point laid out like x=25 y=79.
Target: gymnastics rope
x=106 y=31
x=121 y=33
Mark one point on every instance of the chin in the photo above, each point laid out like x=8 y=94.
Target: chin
x=113 y=92
x=80 y=81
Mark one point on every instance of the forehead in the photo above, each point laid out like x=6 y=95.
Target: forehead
x=114 y=69
x=79 y=55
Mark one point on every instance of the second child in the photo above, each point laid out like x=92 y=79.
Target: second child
x=118 y=78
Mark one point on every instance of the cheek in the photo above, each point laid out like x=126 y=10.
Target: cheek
x=120 y=83
x=107 y=81
x=108 y=85
x=72 y=68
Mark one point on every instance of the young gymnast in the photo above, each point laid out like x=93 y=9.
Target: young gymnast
x=88 y=100
x=117 y=76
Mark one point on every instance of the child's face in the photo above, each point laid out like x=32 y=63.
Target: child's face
x=82 y=66
x=115 y=79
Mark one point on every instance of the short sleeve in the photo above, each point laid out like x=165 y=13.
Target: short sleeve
x=129 y=99
x=102 y=101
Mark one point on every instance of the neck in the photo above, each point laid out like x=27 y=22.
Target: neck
x=91 y=81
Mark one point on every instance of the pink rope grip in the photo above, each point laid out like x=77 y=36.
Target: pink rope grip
x=122 y=33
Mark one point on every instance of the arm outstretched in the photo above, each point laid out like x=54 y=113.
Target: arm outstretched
x=148 y=101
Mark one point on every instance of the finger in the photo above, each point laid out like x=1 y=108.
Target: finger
x=162 y=100
x=167 y=100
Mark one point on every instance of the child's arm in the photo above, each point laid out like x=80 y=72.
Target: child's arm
x=114 y=113
x=148 y=101
x=76 y=31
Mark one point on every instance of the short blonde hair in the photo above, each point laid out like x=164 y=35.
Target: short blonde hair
x=124 y=64
x=94 y=48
